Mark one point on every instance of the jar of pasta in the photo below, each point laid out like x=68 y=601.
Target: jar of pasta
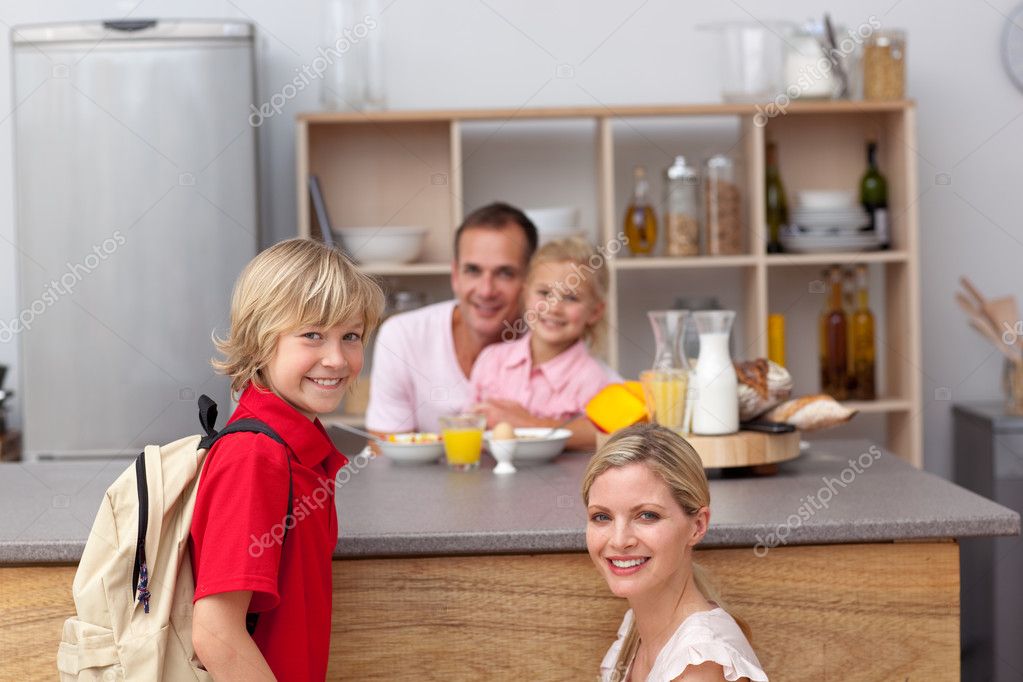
x=722 y=203
x=884 y=65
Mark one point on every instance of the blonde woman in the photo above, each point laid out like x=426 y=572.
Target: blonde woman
x=547 y=374
x=648 y=503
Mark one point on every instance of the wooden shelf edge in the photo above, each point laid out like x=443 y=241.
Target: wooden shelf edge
x=879 y=406
x=409 y=269
x=847 y=258
x=683 y=262
x=612 y=111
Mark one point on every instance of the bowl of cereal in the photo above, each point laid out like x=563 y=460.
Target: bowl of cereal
x=535 y=444
x=412 y=448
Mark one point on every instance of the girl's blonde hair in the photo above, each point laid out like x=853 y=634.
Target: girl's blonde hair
x=591 y=270
x=295 y=283
x=676 y=463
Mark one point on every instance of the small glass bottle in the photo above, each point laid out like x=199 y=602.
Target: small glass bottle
x=722 y=203
x=682 y=209
x=777 y=210
x=716 y=408
x=834 y=344
x=776 y=338
x=862 y=334
x=640 y=220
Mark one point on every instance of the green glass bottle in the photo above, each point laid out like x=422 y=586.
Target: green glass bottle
x=777 y=215
x=874 y=197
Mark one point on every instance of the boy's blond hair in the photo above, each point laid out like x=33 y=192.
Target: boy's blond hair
x=295 y=283
x=591 y=271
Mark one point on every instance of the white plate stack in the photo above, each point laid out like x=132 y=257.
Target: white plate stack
x=827 y=220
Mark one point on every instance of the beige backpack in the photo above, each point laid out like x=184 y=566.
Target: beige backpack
x=133 y=589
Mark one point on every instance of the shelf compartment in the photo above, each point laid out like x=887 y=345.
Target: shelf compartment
x=532 y=164
x=375 y=173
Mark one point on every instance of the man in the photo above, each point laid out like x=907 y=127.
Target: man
x=422 y=359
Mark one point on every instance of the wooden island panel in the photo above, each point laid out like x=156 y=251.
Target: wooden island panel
x=882 y=611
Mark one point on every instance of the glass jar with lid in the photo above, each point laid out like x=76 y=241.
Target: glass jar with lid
x=722 y=204
x=884 y=65
x=682 y=209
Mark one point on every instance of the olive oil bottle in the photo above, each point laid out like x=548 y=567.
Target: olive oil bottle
x=862 y=333
x=777 y=211
x=834 y=344
x=640 y=219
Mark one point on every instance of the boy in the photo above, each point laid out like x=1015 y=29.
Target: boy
x=299 y=319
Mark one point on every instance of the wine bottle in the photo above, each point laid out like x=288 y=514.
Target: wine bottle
x=640 y=220
x=874 y=197
x=777 y=213
x=862 y=333
x=833 y=341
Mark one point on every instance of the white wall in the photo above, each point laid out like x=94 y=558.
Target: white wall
x=489 y=53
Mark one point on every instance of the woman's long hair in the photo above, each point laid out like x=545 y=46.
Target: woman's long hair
x=675 y=461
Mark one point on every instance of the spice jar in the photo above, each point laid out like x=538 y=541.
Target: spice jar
x=722 y=203
x=884 y=65
x=682 y=202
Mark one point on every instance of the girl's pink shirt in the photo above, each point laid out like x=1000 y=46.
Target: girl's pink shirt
x=556 y=389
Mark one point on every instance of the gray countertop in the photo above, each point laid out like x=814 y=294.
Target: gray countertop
x=390 y=510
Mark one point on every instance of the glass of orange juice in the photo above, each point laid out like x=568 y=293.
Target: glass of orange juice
x=463 y=439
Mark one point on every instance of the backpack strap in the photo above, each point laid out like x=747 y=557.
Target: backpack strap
x=250 y=426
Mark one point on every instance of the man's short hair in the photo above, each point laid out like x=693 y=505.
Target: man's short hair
x=496 y=216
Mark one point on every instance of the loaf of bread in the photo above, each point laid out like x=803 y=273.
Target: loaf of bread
x=762 y=385
x=811 y=412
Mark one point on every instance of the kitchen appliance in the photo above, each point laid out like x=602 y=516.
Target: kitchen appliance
x=137 y=207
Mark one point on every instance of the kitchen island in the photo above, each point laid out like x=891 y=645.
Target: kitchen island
x=844 y=564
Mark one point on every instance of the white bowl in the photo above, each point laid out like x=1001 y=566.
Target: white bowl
x=826 y=198
x=554 y=218
x=412 y=453
x=382 y=245
x=530 y=448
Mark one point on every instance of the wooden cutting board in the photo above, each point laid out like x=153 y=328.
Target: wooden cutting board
x=742 y=449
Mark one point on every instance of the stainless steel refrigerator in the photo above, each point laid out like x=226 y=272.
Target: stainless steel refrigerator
x=137 y=207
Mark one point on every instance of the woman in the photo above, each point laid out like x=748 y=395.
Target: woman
x=647 y=499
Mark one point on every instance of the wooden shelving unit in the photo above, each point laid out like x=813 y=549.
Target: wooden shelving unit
x=416 y=167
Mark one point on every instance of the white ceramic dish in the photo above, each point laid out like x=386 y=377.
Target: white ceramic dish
x=554 y=218
x=824 y=243
x=530 y=449
x=826 y=198
x=382 y=245
x=412 y=453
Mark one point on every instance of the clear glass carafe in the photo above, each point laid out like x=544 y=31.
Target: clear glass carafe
x=716 y=407
x=666 y=383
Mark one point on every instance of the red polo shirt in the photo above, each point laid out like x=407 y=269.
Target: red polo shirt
x=239 y=520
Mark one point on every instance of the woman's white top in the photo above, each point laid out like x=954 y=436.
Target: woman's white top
x=704 y=636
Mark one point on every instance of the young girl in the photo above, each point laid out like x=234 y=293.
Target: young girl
x=548 y=375
x=299 y=319
x=647 y=498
